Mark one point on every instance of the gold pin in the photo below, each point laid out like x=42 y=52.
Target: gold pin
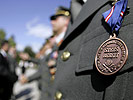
x=58 y=95
x=65 y=56
x=114 y=2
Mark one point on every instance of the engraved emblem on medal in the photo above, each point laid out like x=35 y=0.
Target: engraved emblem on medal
x=111 y=56
x=113 y=53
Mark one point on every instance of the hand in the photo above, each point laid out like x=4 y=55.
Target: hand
x=23 y=79
x=24 y=56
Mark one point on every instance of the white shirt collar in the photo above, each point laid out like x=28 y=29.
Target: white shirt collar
x=48 y=51
x=60 y=37
x=84 y=1
x=3 y=52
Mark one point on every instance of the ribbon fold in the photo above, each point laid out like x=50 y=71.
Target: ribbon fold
x=114 y=16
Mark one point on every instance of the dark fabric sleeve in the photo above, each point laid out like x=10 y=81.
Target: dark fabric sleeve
x=35 y=76
x=5 y=71
x=34 y=60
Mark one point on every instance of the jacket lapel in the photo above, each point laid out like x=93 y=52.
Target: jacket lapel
x=87 y=10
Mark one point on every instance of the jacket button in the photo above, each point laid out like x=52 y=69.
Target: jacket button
x=58 y=95
x=65 y=56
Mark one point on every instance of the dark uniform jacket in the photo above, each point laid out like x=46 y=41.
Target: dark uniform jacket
x=46 y=79
x=6 y=78
x=77 y=78
x=12 y=67
x=43 y=76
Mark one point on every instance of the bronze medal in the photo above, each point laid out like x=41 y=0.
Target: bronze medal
x=111 y=56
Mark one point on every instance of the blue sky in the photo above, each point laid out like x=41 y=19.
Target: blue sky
x=28 y=20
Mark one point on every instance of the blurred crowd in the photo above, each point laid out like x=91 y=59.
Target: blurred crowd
x=44 y=61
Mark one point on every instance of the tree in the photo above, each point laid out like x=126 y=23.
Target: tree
x=29 y=50
x=12 y=41
x=2 y=35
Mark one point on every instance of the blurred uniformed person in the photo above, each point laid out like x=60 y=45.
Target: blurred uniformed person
x=42 y=75
x=59 y=21
x=12 y=65
x=47 y=66
x=7 y=77
x=76 y=77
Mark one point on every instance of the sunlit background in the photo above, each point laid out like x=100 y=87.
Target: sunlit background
x=27 y=21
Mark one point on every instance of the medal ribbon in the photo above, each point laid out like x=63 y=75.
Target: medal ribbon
x=114 y=16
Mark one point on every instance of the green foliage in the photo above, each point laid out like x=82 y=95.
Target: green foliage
x=2 y=35
x=29 y=50
x=11 y=41
x=18 y=57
